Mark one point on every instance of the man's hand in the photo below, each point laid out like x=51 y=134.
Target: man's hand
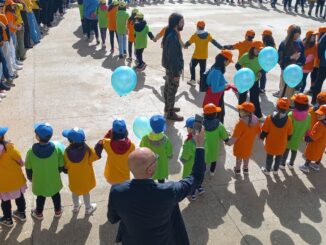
x=199 y=138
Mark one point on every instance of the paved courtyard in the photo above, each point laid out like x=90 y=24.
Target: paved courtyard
x=66 y=82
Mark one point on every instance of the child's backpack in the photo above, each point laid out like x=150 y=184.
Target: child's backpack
x=210 y=76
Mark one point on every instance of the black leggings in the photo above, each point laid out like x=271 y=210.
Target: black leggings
x=91 y=25
x=103 y=34
x=319 y=83
x=202 y=66
x=213 y=167
x=269 y=162
x=254 y=98
x=292 y=158
x=6 y=206
x=301 y=2
x=130 y=49
x=112 y=38
x=139 y=56
x=40 y=201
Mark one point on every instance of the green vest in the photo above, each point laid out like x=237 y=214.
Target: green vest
x=141 y=38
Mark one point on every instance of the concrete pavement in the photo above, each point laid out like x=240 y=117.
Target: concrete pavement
x=65 y=82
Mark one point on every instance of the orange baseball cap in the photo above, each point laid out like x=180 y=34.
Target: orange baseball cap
x=267 y=32
x=300 y=98
x=227 y=54
x=211 y=108
x=321 y=111
x=9 y=2
x=250 y=32
x=321 y=96
x=310 y=33
x=322 y=29
x=283 y=103
x=201 y=24
x=247 y=106
x=257 y=44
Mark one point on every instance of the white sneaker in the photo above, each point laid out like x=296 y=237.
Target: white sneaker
x=281 y=167
x=264 y=170
x=17 y=67
x=2 y=95
x=289 y=165
x=212 y=173
x=18 y=62
x=275 y=172
x=91 y=210
x=192 y=82
x=76 y=208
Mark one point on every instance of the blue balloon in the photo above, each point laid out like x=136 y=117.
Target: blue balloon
x=292 y=75
x=123 y=80
x=244 y=79
x=59 y=144
x=141 y=127
x=268 y=58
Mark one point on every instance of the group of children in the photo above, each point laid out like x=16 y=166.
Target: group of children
x=282 y=133
x=22 y=24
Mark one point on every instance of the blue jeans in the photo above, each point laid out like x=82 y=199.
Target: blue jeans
x=122 y=41
x=34 y=28
x=4 y=65
x=302 y=85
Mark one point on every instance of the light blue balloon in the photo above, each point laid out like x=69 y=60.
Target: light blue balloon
x=123 y=80
x=268 y=58
x=292 y=75
x=59 y=144
x=141 y=127
x=244 y=79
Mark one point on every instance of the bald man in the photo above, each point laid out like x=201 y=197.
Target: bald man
x=148 y=211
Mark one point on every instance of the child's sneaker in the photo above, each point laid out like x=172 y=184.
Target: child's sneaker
x=58 y=213
x=2 y=95
x=245 y=171
x=236 y=171
x=76 y=209
x=201 y=191
x=193 y=197
x=192 y=82
x=129 y=59
x=111 y=50
x=265 y=171
x=103 y=46
x=304 y=168
x=282 y=166
x=91 y=210
x=212 y=173
x=36 y=215
x=19 y=215
x=275 y=172
x=290 y=165
x=315 y=166
x=6 y=222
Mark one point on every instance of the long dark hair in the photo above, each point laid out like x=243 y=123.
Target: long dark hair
x=289 y=40
x=132 y=17
x=268 y=41
x=219 y=63
x=174 y=20
x=308 y=43
x=251 y=53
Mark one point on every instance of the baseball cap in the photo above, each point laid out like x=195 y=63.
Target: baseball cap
x=201 y=24
x=257 y=44
x=322 y=110
x=139 y=15
x=247 y=106
x=115 y=3
x=250 y=32
x=321 y=96
x=102 y=1
x=76 y=134
x=283 y=103
x=267 y=32
x=3 y=131
x=122 y=4
x=322 y=29
x=300 y=99
x=158 y=123
x=135 y=11
x=211 y=108
x=190 y=122
x=310 y=33
x=119 y=126
x=43 y=130
x=227 y=54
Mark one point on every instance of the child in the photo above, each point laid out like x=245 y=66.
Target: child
x=160 y=144
x=310 y=52
x=216 y=82
x=214 y=133
x=321 y=100
x=44 y=162
x=81 y=14
x=301 y=119
x=243 y=46
x=141 y=32
x=122 y=19
x=12 y=181
x=201 y=39
x=276 y=131
x=112 y=25
x=316 y=142
x=131 y=33
x=244 y=136
x=268 y=41
x=118 y=148
x=78 y=159
x=102 y=20
x=188 y=155
x=91 y=18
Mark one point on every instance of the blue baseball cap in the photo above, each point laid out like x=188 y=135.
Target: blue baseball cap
x=75 y=134
x=43 y=130
x=119 y=126
x=3 y=131
x=158 y=124
x=190 y=122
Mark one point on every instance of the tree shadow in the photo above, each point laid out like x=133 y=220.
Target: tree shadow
x=10 y=236
x=248 y=239
x=280 y=237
